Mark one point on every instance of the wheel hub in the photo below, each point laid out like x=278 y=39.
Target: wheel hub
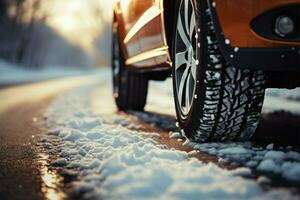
x=190 y=55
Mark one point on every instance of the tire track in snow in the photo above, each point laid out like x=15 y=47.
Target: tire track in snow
x=228 y=156
x=150 y=122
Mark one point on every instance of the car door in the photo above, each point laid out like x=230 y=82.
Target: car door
x=144 y=38
x=132 y=11
x=151 y=35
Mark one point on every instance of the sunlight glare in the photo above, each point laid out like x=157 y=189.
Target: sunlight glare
x=50 y=181
x=78 y=21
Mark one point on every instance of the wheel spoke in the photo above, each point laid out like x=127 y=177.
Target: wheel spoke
x=192 y=24
x=193 y=69
x=182 y=33
x=181 y=85
x=185 y=63
x=186 y=15
x=187 y=92
x=180 y=59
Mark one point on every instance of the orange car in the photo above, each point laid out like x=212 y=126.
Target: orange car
x=222 y=54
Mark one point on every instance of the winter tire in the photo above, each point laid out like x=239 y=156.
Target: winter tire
x=129 y=88
x=214 y=101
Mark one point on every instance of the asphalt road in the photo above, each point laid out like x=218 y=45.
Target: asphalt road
x=24 y=165
x=24 y=172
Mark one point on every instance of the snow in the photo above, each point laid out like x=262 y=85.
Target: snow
x=263 y=180
x=233 y=150
x=174 y=135
x=193 y=153
x=275 y=155
x=270 y=146
x=262 y=159
x=12 y=74
x=282 y=99
x=269 y=165
x=293 y=95
x=252 y=163
x=291 y=170
x=119 y=163
x=188 y=143
x=60 y=162
x=162 y=101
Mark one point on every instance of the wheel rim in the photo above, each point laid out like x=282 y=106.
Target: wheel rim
x=116 y=66
x=185 y=56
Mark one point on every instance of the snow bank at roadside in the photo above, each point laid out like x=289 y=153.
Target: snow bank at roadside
x=284 y=162
x=293 y=95
x=118 y=163
x=282 y=100
x=11 y=74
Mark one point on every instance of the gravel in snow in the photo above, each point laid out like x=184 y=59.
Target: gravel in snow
x=118 y=163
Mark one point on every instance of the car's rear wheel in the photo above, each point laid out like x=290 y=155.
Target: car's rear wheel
x=214 y=100
x=129 y=88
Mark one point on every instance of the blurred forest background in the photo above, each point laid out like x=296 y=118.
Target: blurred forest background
x=40 y=33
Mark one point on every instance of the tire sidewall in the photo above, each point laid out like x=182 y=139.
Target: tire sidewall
x=121 y=78
x=115 y=79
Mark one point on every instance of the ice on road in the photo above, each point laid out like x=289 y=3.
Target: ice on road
x=119 y=163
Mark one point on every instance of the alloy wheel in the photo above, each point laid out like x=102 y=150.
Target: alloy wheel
x=185 y=56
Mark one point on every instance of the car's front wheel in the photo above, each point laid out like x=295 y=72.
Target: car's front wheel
x=129 y=88
x=214 y=100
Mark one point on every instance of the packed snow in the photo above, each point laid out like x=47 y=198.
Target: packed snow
x=120 y=163
x=282 y=99
x=262 y=159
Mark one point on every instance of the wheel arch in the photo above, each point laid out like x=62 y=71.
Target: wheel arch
x=169 y=13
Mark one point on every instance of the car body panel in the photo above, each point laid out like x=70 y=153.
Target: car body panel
x=142 y=33
x=272 y=58
x=144 y=44
x=235 y=18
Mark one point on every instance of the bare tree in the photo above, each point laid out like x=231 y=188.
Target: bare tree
x=27 y=38
x=18 y=20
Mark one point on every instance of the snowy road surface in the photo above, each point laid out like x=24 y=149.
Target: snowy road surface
x=104 y=154
x=13 y=96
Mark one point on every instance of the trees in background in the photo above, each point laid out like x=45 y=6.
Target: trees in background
x=102 y=17
x=27 y=39
x=18 y=21
x=103 y=44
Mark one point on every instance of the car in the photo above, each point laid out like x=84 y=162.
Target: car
x=221 y=55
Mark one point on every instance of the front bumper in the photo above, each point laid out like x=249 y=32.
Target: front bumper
x=263 y=58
